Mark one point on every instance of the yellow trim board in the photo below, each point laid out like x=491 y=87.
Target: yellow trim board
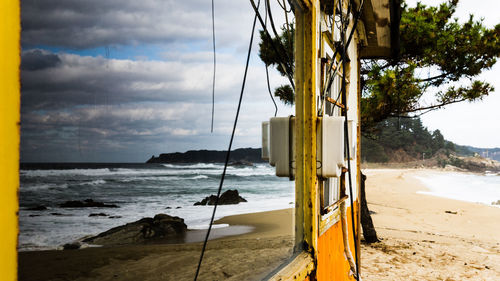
x=9 y=135
x=298 y=269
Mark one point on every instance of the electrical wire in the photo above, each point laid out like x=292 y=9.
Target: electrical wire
x=358 y=16
x=276 y=34
x=286 y=13
x=270 y=94
x=284 y=6
x=215 y=67
x=346 y=133
x=267 y=71
x=283 y=62
x=228 y=150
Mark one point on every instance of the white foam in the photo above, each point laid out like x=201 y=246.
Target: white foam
x=205 y=226
x=463 y=187
x=43 y=186
x=94 y=182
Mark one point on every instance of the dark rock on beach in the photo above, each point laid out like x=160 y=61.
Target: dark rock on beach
x=159 y=227
x=72 y=246
x=229 y=197
x=37 y=208
x=88 y=203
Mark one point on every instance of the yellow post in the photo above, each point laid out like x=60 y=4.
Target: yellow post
x=306 y=50
x=9 y=135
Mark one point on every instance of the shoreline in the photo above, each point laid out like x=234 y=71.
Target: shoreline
x=271 y=233
x=420 y=240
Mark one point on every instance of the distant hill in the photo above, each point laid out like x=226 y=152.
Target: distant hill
x=406 y=140
x=242 y=155
x=492 y=153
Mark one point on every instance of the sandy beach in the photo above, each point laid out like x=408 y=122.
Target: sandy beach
x=422 y=238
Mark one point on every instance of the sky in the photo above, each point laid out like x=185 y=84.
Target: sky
x=121 y=80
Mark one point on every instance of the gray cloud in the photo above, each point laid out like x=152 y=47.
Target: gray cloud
x=97 y=109
x=85 y=108
x=93 y=23
x=39 y=59
x=84 y=80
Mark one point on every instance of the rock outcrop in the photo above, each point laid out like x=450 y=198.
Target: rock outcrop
x=161 y=226
x=88 y=203
x=229 y=197
x=245 y=156
x=72 y=246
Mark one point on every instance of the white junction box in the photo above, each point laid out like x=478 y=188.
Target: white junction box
x=353 y=136
x=330 y=146
x=278 y=145
x=281 y=150
x=265 y=140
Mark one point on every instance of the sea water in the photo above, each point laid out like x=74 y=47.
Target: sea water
x=140 y=190
x=477 y=188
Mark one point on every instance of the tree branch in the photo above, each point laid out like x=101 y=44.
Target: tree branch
x=443 y=75
x=427 y=109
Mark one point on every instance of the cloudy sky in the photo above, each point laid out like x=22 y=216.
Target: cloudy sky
x=121 y=80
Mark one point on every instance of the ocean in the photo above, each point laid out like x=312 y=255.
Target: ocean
x=468 y=187
x=143 y=190
x=140 y=190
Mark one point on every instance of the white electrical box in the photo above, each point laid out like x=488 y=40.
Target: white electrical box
x=353 y=136
x=330 y=146
x=265 y=141
x=281 y=145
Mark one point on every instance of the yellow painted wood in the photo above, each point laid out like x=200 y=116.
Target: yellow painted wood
x=299 y=144
x=358 y=166
x=298 y=269
x=331 y=262
x=329 y=220
x=305 y=127
x=9 y=135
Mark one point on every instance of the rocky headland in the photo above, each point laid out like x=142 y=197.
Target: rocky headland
x=241 y=156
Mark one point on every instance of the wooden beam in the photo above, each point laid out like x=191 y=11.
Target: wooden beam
x=298 y=269
x=306 y=50
x=9 y=135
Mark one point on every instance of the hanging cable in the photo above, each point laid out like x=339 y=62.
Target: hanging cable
x=283 y=61
x=286 y=13
x=284 y=6
x=267 y=71
x=270 y=94
x=215 y=65
x=346 y=133
x=228 y=150
x=358 y=16
x=277 y=35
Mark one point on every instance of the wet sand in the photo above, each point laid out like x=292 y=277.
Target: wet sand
x=249 y=256
x=422 y=238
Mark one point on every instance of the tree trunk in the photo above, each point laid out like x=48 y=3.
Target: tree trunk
x=369 y=232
